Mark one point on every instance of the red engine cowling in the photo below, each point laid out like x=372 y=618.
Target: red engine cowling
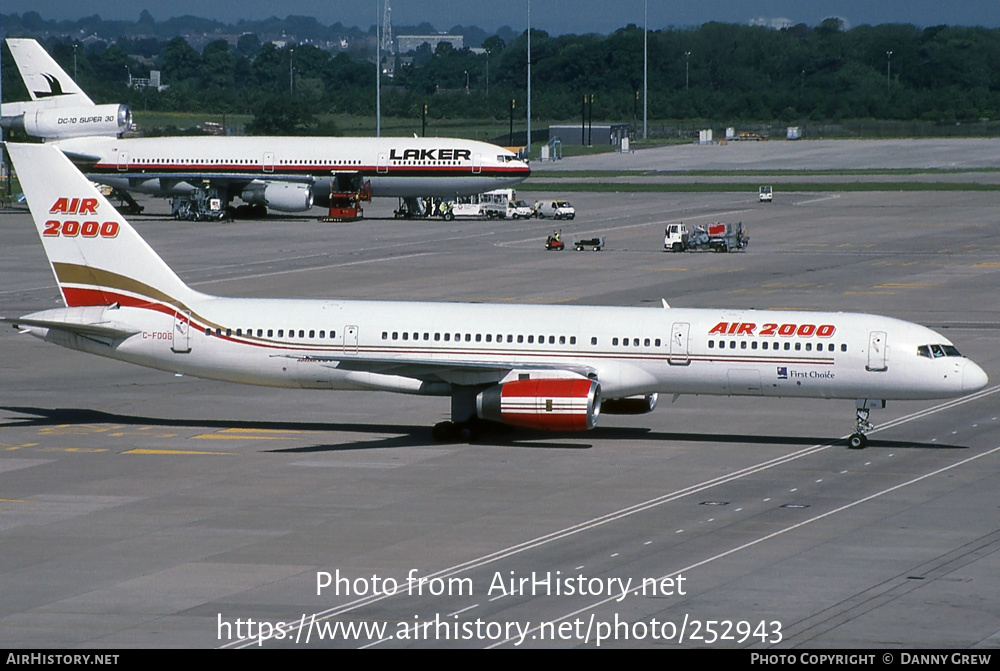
x=550 y=404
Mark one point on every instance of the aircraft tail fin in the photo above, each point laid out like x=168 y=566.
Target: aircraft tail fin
x=96 y=256
x=46 y=81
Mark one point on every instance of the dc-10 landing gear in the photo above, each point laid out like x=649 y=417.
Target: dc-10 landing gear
x=858 y=440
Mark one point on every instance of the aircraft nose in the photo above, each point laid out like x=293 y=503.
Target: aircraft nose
x=974 y=378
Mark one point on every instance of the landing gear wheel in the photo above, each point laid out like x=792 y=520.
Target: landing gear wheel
x=443 y=432
x=467 y=432
x=857 y=441
x=449 y=432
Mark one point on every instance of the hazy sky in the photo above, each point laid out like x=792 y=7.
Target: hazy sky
x=553 y=16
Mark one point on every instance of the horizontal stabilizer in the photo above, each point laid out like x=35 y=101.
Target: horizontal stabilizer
x=90 y=322
x=81 y=158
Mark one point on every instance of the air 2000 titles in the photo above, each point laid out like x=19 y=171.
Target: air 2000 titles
x=784 y=330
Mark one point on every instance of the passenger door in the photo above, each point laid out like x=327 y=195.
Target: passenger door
x=180 y=342
x=350 y=339
x=878 y=352
x=679 y=339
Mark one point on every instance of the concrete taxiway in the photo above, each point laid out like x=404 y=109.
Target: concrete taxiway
x=139 y=509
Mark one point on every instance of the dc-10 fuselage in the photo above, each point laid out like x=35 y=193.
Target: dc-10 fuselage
x=394 y=166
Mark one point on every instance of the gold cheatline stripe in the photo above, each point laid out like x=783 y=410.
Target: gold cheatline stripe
x=70 y=273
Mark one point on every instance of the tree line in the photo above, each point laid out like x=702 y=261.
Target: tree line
x=720 y=72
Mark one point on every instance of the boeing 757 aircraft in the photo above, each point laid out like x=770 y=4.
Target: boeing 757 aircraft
x=547 y=367
x=205 y=174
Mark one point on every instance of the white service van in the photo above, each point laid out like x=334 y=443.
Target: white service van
x=557 y=209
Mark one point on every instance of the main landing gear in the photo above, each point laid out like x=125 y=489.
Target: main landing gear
x=465 y=425
x=456 y=432
x=858 y=440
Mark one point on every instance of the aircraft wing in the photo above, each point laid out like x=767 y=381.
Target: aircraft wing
x=455 y=372
x=195 y=177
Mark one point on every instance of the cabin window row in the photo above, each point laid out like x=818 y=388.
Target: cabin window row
x=426 y=163
x=634 y=342
x=232 y=161
x=786 y=346
x=479 y=337
x=204 y=161
x=271 y=333
x=315 y=162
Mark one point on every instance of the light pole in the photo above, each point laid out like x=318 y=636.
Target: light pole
x=291 y=70
x=527 y=144
x=888 y=63
x=510 y=141
x=687 y=70
x=645 y=63
x=590 y=122
x=466 y=82
x=378 y=74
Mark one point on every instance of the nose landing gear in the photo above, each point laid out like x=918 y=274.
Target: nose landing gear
x=858 y=440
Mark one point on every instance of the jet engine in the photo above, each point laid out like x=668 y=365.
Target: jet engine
x=281 y=196
x=630 y=405
x=65 y=122
x=552 y=404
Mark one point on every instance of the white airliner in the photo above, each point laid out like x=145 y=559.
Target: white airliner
x=547 y=367
x=205 y=174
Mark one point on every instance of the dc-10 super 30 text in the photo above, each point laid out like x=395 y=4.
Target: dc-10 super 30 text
x=552 y=367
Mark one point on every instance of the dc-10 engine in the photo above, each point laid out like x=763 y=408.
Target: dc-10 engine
x=60 y=123
x=630 y=405
x=553 y=404
x=281 y=196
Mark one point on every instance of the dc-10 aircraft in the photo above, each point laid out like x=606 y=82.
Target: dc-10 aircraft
x=205 y=174
x=545 y=367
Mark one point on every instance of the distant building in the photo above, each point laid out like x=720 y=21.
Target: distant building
x=777 y=23
x=407 y=43
x=153 y=82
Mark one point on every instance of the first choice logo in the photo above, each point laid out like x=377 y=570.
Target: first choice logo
x=431 y=155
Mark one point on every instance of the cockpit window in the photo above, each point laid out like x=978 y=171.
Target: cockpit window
x=937 y=351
